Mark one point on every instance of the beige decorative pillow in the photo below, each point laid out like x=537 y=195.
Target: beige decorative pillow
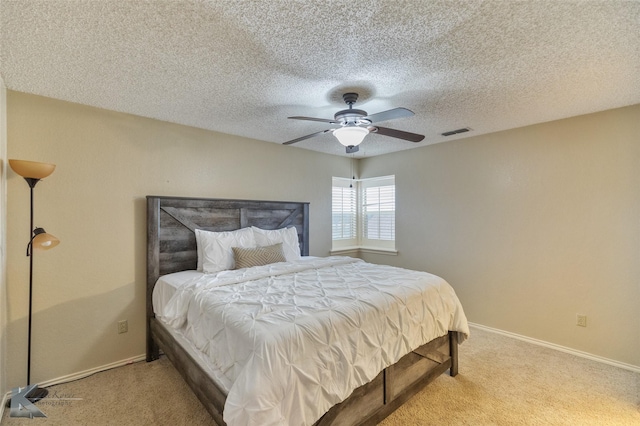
x=258 y=256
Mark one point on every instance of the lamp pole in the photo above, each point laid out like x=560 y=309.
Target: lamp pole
x=32 y=183
x=37 y=393
x=32 y=172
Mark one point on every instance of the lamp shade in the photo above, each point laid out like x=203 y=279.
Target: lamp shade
x=43 y=241
x=32 y=169
x=350 y=135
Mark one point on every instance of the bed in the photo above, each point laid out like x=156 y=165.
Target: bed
x=171 y=252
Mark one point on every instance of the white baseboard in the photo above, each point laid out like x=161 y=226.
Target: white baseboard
x=560 y=348
x=79 y=375
x=86 y=373
x=5 y=398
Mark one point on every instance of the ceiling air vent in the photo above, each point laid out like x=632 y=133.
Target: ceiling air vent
x=455 y=132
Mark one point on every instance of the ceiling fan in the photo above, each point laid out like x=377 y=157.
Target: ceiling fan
x=355 y=124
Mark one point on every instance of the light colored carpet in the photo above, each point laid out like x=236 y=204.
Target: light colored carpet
x=502 y=381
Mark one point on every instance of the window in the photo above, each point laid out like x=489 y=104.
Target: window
x=364 y=214
x=344 y=224
x=378 y=212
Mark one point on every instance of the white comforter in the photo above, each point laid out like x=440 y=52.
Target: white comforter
x=297 y=338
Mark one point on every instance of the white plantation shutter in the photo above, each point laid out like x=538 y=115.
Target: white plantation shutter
x=364 y=213
x=379 y=212
x=344 y=211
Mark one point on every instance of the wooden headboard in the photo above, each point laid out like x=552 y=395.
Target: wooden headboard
x=172 y=221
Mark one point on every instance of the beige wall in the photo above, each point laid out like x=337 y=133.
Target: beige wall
x=531 y=226
x=94 y=203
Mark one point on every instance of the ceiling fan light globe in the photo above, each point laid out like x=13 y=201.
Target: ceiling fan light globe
x=350 y=135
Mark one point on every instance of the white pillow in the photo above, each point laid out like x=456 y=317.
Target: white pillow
x=287 y=236
x=198 y=250
x=216 y=247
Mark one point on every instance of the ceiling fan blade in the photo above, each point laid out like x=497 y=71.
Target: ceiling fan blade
x=307 y=136
x=408 y=136
x=323 y=120
x=389 y=115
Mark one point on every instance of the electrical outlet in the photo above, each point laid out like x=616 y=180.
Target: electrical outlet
x=123 y=326
x=581 y=320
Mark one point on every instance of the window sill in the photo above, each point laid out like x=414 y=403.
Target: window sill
x=345 y=251
x=357 y=250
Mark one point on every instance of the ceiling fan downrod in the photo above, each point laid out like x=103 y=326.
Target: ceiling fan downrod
x=350 y=98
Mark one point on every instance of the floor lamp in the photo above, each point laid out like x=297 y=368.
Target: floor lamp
x=32 y=172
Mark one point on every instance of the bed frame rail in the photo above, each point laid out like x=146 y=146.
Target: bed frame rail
x=396 y=384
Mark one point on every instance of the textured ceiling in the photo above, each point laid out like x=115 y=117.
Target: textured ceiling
x=243 y=67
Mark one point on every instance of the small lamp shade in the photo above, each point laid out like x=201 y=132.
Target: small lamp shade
x=32 y=169
x=350 y=135
x=43 y=241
